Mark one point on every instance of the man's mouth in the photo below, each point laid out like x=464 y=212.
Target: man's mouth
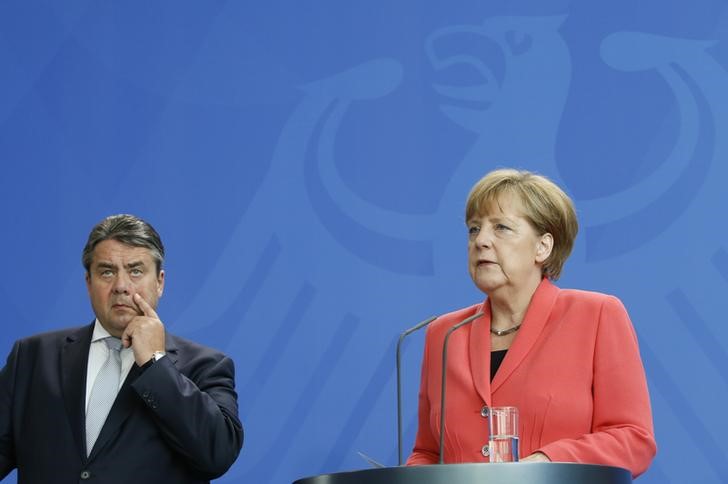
x=121 y=306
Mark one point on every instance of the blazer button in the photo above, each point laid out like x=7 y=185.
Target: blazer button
x=85 y=475
x=484 y=412
x=485 y=450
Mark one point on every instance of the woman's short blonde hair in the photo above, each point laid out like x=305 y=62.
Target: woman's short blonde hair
x=547 y=208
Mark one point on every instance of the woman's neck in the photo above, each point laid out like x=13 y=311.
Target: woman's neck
x=508 y=306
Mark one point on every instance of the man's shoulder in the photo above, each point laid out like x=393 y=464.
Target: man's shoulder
x=47 y=344
x=60 y=335
x=190 y=349
x=197 y=361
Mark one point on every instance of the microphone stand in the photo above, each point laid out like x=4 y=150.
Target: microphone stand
x=399 y=384
x=444 y=379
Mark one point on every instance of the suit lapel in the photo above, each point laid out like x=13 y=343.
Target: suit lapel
x=74 y=361
x=480 y=353
x=171 y=348
x=533 y=324
x=127 y=400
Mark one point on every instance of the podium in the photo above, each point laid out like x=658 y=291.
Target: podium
x=506 y=473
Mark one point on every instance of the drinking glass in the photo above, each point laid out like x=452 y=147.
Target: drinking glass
x=503 y=434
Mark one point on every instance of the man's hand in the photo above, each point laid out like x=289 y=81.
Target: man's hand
x=144 y=333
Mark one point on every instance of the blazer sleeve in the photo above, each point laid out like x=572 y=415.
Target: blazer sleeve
x=197 y=416
x=427 y=447
x=7 y=386
x=622 y=433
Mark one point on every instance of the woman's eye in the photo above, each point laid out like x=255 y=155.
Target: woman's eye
x=502 y=227
x=473 y=230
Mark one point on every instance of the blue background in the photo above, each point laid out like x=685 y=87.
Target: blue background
x=307 y=164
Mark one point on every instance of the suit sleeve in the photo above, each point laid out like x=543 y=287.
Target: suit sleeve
x=7 y=385
x=622 y=434
x=198 y=416
x=427 y=447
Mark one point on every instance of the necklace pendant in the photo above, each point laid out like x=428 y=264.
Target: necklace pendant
x=504 y=332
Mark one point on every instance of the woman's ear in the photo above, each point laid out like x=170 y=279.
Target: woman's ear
x=544 y=247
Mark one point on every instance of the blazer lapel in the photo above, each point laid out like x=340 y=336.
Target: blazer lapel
x=480 y=353
x=74 y=361
x=126 y=401
x=534 y=321
x=171 y=348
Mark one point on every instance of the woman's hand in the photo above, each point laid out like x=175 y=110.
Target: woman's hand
x=536 y=457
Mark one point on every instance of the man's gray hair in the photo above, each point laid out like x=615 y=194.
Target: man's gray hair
x=128 y=230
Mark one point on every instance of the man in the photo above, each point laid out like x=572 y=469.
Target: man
x=120 y=400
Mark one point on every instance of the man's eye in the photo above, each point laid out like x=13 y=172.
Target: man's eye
x=136 y=272
x=107 y=273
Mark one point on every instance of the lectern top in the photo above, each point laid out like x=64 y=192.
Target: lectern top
x=506 y=473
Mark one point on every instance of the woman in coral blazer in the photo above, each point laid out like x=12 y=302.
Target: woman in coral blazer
x=567 y=359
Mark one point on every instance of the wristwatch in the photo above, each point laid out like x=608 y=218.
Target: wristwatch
x=155 y=357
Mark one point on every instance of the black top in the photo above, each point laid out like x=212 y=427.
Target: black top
x=496 y=358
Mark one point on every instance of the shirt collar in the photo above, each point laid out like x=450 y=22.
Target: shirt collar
x=99 y=332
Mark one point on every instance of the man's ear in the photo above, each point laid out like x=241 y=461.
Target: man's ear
x=160 y=283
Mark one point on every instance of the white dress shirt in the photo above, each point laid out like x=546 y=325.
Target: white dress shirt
x=97 y=355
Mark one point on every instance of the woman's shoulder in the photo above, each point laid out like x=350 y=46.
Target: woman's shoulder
x=447 y=320
x=581 y=297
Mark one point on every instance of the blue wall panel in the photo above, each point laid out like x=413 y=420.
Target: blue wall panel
x=307 y=164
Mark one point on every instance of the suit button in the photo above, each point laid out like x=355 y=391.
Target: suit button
x=146 y=394
x=85 y=475
x=485 y=450
x=484 y=412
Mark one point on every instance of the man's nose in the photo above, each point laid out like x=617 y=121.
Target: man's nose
x=122 y=284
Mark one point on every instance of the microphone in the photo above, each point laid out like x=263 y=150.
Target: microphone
x=399 y=382
x=444 y=379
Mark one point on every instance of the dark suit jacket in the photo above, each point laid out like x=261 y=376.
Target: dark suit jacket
x=175 y=421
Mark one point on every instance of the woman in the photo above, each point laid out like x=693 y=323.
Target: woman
x=567 y=359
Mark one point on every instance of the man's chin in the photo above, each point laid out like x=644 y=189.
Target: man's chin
x=116 y=325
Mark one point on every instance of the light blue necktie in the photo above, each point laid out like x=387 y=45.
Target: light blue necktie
x=103 y=393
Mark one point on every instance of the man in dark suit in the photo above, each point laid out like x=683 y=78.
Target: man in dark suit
x=121 y=400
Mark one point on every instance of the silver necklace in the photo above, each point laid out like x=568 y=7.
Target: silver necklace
x=504 y=332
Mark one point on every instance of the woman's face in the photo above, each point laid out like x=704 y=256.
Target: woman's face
x=504 y=250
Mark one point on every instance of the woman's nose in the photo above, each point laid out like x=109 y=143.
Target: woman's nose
x=484 y=238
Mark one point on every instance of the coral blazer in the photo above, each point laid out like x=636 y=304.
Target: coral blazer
x=574 y=372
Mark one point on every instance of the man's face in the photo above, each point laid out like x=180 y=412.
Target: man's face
x=117 y=272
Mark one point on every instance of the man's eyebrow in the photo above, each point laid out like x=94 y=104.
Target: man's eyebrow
x=133 y=264
x=105 y=265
